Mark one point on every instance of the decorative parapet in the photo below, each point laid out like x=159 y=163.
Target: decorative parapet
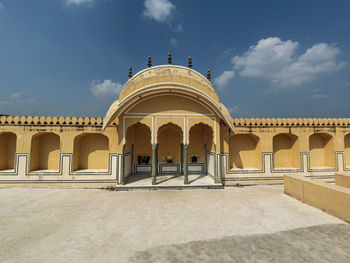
x=311 y=122
x=36 y=120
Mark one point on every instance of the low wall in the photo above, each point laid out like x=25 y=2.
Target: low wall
x=332 y=199
x=342 y=179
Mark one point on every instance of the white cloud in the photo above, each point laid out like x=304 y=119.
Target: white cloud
x=173 y=41
x=106 y=89
x=233 y=109
x=15 y=103
x=79 y=2
x=276 y=61
x=2 y=8
x=318 y=96
x=222 y=80
x=180 y=28
x=160 y=10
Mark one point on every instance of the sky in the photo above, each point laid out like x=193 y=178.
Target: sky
x=284 y=59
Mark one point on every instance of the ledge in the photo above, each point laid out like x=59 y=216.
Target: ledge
x=36 y=120
x=301 y=122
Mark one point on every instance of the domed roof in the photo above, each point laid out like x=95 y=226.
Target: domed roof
x=168 y=79
x=166 y=75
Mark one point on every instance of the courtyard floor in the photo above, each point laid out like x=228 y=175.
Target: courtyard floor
x=169 y=180
x=235 y=224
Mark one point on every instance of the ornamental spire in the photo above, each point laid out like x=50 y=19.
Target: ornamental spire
x=169 y=58
x=190 y=62
x=208 y=74
x=130 y=72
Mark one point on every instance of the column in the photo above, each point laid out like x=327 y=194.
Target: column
x=186 y=164
x=154 y=164
x=182 y=158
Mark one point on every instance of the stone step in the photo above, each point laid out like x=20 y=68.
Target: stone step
x=164 y=187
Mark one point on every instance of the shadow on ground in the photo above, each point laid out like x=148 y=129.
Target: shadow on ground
x=324 y=243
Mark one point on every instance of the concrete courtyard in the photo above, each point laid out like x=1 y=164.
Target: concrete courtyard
x=235 y=224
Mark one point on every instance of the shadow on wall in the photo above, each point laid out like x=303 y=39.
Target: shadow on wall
x=286 y=153
x=245 y=151
x=201 y=140
x=90 y=151
x=169 y=140
x=347 y=150
x=321 y=148
x=7 y=150
x=139 y=135
x=45 y=152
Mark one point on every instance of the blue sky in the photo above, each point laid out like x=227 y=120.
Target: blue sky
x=267 y=58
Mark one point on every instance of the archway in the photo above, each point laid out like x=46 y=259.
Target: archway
x=245 y=152
x=45 y=152
x=138 y=149
x=7 y=150
x=321 y=148
x=91 y=151
x=200 y=142
x=170 y=138
x=286 y=151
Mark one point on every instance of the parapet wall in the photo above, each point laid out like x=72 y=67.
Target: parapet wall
x=262 y=150
x=283 y=122
x=40 y=150
x=36 y=120
x=330 y=198
x=259 y=151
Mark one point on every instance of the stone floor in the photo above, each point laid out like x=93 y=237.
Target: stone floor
x=168 y=180
x=241 y=224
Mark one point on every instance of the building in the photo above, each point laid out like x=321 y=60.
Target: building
x=168 y=120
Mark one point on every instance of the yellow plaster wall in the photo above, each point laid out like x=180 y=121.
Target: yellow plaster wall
x=342 y=179
x=129 y=139
x=45 y=152
x=90 y=152
x=245 y=151
x=286 y=151
x=169 y=104
x=347 y=149
x=225 y=139
x=169 y=140
x=321 y=147
x=332 y=199
x=169 y=74
x=7 y=150
x=142 y=142
x=197 y=144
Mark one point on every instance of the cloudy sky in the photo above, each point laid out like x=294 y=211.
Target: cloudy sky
x=268 y=58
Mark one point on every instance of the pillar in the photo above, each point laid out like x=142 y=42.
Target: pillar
x=186 y=164
x=182 y=158
x=154 y=164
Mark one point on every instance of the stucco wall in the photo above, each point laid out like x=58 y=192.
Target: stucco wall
x=7 y=150
x=45 y=152
x=91 y=151
x=169 y=140
x=286 y=151
x=245 y=151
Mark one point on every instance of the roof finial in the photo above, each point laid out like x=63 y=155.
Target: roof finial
x=149 y=64
x=169 y=58
x=208 y=74
x=190 y=62
x=130 y=72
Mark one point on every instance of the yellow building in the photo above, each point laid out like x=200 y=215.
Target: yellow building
x=169 y=120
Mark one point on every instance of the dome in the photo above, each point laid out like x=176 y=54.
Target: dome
x=171 y=80
x=166 y=75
